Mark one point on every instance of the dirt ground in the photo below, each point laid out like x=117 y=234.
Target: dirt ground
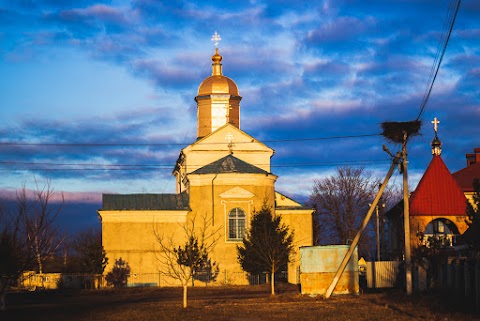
x=245 y=303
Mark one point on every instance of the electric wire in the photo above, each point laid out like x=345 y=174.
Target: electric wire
x=8 y=165
x=33 y=166
x=437 y=62
x=287 y=140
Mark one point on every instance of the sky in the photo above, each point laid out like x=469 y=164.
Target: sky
x=98 y=96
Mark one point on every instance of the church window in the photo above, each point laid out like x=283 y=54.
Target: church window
x=236 y=224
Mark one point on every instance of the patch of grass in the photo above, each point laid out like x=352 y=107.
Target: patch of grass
x=240 y=303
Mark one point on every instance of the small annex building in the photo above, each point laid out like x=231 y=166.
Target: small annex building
x=437 y=206
x=223 y=177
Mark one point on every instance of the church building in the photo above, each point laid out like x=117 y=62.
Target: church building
x=437 y=206
x=224 y=177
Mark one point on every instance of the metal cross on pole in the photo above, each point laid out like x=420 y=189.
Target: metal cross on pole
x=229 y=137
x=216 y=39
x=435 y=123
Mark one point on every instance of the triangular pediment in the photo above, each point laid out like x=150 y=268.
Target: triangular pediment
x=229 y=164
x=237 y=192
x=228 y=137
x=227 y=140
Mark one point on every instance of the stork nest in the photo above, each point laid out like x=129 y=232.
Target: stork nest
x=395 y=131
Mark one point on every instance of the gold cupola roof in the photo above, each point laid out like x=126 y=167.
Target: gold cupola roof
x=217 y=83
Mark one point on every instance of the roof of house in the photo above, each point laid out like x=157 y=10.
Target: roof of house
x=145 y=201
x=283 y=202
x=437 y=192
x=229 y=164
x=465 y=177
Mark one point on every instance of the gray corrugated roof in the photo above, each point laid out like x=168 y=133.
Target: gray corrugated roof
x=145 y=201
x=229 y=164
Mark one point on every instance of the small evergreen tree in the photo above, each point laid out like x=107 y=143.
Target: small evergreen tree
x=473 y=214
x=268 y=245
x=90 y=255
x=185 y=262
x=195 y=256
x=119 y=274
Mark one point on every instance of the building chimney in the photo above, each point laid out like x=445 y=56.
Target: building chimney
x=473 y=158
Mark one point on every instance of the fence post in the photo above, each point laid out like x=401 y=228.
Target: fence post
x=467 y=271
x=458 y=278
x=477 y=285
x=449 y=276
x=414 y=274
x=441 y=275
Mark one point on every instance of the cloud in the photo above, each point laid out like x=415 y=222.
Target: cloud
x=339 y=30
x=304 y=69
x=85 y=22
x=137 y=158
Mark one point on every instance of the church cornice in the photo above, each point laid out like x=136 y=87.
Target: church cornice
x=143 y=216
x=218 y=96
x=232 y=179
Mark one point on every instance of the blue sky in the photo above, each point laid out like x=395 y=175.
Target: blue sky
x=124 y=74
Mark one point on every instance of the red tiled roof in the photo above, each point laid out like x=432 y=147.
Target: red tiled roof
x=464 y=177
x=437 y=192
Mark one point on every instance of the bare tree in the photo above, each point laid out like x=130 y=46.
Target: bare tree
x=342 y=200
x=28 y=235
x=16 y=254
x=40 y=220
x=180 y=259
x=89 y=255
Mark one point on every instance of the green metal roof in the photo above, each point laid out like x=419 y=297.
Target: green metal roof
x=229 y=164
x=145 y=201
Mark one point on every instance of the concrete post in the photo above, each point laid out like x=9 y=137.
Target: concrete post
x=406 y=219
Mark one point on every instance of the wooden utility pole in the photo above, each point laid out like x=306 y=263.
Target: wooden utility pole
x=406 y=218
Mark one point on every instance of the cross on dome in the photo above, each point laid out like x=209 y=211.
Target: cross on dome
x=216 y=39
x=435 y=123
x=436 y=143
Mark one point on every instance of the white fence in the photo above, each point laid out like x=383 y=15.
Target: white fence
x=383 y=274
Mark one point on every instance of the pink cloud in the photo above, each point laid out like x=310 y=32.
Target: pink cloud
x=68 y=197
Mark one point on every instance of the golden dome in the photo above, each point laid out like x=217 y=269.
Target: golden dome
x=217 y=83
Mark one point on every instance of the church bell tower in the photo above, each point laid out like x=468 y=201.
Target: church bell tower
x=218 y=101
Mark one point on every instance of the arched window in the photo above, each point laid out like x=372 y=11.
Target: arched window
x=440 y=233
x=236 y=224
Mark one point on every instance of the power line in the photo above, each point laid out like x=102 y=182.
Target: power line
x=179 y=144
x=80 y=164
x=32 y=166
x=428 y=92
